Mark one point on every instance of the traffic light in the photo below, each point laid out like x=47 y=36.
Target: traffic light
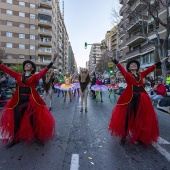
x=111 y=71
x=85 y=45
x=60 y=80
x=59 y=71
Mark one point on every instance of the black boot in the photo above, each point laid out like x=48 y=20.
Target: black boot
x=40 y=143
x=123 y=141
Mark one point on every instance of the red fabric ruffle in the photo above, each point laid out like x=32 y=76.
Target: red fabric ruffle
x=43 y=123
x=143 y=128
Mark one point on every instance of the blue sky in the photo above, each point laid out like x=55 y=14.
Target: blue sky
x=87 y=21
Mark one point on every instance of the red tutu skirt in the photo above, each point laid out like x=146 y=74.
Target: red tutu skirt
x=43 y=125
x=143 y=127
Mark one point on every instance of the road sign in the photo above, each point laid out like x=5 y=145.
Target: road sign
x=110 y=64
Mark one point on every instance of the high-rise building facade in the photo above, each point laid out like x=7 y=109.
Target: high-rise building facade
x=33 y=30
x=136 y=20
x=95 y=56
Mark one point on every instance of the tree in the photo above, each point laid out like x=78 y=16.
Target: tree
x=154 y=7
x=17 y=68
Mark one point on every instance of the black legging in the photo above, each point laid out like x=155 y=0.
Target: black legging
x=19 y=110
x=132 y=107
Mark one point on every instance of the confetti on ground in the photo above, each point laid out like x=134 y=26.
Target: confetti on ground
x=90 y=157
x=92 y=163
x=85 y=152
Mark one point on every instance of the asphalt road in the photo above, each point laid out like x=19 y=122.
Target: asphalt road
x=86 y=136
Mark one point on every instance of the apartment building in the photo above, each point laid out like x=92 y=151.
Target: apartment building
x=95 y=56
x=72 y=65
x=33 y=30
x=87 y=65
x=110 y=41
x=132 y=44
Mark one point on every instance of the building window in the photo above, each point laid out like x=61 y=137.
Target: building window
x=32 y=5
x=21 y=25
x=32 y=16
x=21 y=3
x=9 y=1
x=9 y=45
x=32 y=27
x=21 y=57
x=21 y=35
x=32 y=57
x=32 y=37
x=9 y=34
x=22 y=46
x=32 y=47
x=21 y=14
x=9 y=23
x=9 y=12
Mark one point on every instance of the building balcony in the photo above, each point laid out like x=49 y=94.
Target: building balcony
x=147 y=47
x=123 y=9
x=135 y=40
x=45 y=3
x=45 y=41
x=44 y=31
x=44 y=22
x=45 y=51
x=134 y=52
x=138 y=4
x=13 y=60
x=136 y=23
x=45 y=11
x=141 y=50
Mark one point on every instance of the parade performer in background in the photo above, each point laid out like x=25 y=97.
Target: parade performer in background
x=134 y=115
x=75 y=81
x=84 y=80
x=93 y=82
x=26 y=116
x=99 y=87
x=59 y=82
x=67 y=86
x=113 y=86
x=48 y=83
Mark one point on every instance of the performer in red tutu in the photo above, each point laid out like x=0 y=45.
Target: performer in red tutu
x=134 y=115
x=25 y=116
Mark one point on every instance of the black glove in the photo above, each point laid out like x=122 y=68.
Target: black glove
x=115 y=61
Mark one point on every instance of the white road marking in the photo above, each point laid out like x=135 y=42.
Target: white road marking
x=162 y=151
x=162 y=141
x=74 y=162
